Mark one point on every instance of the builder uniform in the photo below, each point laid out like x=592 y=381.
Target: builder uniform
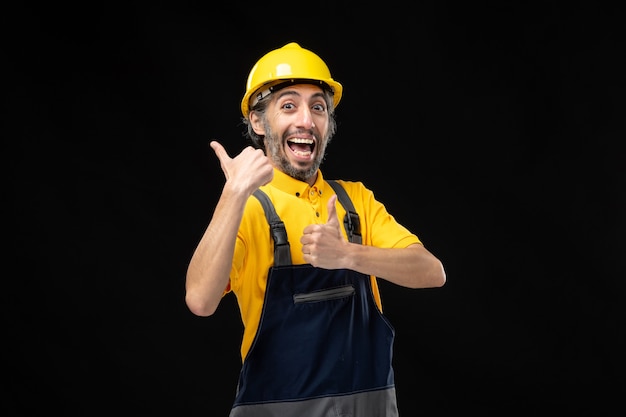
x=316 y=343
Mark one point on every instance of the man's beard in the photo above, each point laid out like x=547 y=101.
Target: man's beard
x=278 y=157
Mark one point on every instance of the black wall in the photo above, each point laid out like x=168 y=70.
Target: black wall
x=495 y=131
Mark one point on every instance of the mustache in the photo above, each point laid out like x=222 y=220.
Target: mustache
x=296 y=132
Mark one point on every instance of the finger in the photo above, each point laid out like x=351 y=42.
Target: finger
x=221 y=153
x=333 y=219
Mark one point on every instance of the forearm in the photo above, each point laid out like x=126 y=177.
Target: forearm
x=412 y=267
x=210 y=265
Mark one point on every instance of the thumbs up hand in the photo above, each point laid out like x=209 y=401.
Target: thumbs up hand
x=323 y=244
x=246 y=171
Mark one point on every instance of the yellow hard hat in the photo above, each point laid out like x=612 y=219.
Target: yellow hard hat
x=289 y=63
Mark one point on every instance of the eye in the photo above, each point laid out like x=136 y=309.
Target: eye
x=288 y=106
x=319 y=108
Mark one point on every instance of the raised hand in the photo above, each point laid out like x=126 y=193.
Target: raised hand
x=323 y=244
x=246 y=171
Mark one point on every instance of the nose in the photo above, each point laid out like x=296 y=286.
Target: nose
x=305 y=118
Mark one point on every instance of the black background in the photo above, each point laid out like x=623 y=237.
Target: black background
x=494 y=130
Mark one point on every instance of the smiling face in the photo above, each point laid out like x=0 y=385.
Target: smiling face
x=295 y=126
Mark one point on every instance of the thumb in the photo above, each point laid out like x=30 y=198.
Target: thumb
x=333 y=219
x=222 y=155
x=220 y=152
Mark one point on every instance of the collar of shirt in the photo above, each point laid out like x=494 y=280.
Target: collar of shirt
x=298 y=188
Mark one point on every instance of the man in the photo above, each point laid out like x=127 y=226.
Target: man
x=315 y=340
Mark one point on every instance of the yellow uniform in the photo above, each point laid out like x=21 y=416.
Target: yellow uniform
x=299 y=205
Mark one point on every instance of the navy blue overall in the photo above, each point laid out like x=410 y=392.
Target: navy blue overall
x=323 y=348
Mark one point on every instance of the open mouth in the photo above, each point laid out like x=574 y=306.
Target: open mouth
x=301 y=147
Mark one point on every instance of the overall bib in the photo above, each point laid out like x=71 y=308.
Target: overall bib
x=323 y=348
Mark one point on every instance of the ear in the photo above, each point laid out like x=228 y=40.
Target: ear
x=257 y=123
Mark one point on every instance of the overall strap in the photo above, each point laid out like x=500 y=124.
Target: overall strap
x=351 y=221
x=282 y=253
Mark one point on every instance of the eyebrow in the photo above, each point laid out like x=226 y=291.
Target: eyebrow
x=287 y=92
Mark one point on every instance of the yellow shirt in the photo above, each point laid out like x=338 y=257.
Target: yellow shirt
x=299 y=205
